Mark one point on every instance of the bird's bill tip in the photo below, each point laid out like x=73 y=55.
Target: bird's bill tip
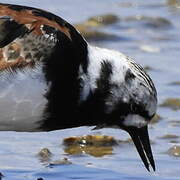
x=140 y=138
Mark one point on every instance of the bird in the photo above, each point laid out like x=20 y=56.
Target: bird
x=51 y=78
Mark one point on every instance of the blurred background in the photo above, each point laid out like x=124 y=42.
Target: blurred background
x=149 y=32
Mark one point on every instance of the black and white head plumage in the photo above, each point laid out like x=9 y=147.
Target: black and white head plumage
x=125 y=88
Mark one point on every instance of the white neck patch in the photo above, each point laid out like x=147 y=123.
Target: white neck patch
x=135 y=120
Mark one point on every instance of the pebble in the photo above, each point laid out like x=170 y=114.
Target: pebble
x=44 y=154
x=174 y=151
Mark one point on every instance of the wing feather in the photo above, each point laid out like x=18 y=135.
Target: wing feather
x=28 y=35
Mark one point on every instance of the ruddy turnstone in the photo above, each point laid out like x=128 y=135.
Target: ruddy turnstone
x=51 y=78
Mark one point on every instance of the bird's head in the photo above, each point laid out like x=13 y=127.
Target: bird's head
x=121 y=95
x=130 y=105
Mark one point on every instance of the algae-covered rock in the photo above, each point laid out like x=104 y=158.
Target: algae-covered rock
x=93 y=35
x=94 y=145
x=102 y=20
x=174 y=151
x=173 y=103
x=88 y=28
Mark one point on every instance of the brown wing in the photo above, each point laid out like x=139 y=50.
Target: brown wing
x=28 y=35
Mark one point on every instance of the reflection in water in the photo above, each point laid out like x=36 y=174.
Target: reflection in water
x=96 y=151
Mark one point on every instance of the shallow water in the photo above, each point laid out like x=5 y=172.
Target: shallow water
x=156 y=47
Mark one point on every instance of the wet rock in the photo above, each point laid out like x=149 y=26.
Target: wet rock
x=95 y=140
x=64 y=161
x=173 y=103
x=174 y=151
x=102 y=20
x=156 y=119
x=149 y=49
x=93 y=35
x=44 y=154
x=87 y=28
x=169 y=136
x=153 y=22
x=94 y=145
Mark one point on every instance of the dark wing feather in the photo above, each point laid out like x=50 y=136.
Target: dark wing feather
x=29 y=35
x=10 y=30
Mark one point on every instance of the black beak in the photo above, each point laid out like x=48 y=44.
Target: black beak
x=140 y=138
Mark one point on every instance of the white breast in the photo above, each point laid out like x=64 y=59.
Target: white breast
x=22 y=100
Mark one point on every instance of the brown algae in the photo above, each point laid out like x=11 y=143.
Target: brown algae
x=94 y=145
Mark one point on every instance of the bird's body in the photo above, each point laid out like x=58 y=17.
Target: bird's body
x=51 y=78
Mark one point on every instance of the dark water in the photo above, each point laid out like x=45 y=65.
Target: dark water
x=152 y=43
